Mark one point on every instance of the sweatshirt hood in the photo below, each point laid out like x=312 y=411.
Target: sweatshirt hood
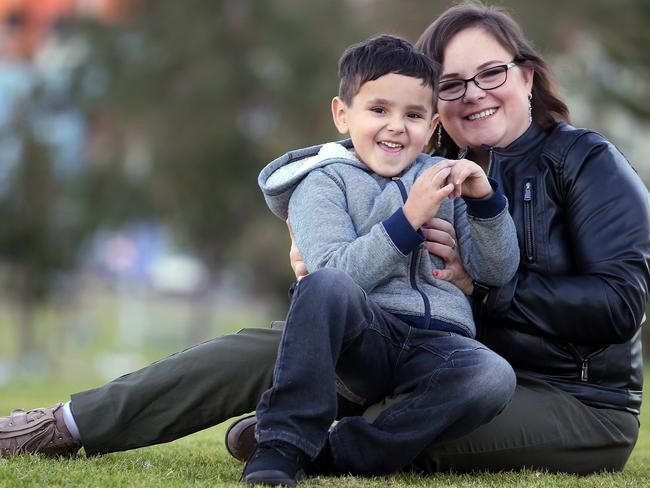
x=280 y=177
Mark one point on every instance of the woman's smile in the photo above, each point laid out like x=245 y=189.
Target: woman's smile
x=482 y=115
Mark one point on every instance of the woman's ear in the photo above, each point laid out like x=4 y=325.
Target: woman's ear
x=529 y=75
x=340 y=115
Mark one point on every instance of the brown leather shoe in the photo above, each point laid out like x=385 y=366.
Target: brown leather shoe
x=39 y=431
x=240 y=438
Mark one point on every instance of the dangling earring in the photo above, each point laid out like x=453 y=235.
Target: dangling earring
x=439 y=138
x=530 y=107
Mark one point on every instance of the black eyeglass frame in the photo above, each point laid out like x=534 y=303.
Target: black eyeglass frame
x=506 y=67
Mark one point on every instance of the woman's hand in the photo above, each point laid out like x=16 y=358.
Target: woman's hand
x=295 y=258
x=441 y=241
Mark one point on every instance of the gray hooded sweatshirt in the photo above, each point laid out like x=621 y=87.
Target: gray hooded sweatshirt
x=345 y=216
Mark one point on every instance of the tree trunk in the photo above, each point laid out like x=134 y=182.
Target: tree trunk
x=25 y=312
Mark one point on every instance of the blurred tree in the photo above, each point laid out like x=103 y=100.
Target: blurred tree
x=199 y=96
x=39 y=236
x=50 y=203
x=621 y=28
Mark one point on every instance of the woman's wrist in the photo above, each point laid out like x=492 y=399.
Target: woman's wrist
x=466 y=285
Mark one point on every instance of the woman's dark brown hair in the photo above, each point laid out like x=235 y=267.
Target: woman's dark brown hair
x=548 y=106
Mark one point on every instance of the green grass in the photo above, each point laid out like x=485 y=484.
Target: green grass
x=202 y=460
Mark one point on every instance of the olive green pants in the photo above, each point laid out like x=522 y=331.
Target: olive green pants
x=542 y=428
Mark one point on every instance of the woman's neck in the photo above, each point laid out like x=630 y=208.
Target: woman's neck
x=480 y=156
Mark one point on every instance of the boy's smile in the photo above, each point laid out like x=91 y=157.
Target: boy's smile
x=390 y=120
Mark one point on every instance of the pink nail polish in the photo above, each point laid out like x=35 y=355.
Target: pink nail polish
x=435 y=273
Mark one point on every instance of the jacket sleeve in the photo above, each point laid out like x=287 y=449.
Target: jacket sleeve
x=487 y=238
x=326 y=235
x=607 y=222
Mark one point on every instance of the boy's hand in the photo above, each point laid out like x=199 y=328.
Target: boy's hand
x=295 y=258
x=469 y=180
x=428 y=192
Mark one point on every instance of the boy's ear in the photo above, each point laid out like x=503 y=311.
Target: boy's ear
x=434 y=123
x=340 y=115
x=430 y=146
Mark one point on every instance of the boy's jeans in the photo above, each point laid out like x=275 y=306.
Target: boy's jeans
x=449 y=384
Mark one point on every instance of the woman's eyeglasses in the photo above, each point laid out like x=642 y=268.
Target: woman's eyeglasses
x=488 y=79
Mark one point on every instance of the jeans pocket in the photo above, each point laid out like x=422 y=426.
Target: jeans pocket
x=343 y=390
x=445 y=344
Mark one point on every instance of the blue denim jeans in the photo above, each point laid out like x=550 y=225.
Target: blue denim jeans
x=449 y=384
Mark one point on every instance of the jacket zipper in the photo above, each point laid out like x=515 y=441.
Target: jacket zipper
x=490 y=159
x=413 y=264
x=583 y=362
x=477 y=312
x=529 y=229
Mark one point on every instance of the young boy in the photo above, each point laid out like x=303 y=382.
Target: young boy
x=380 y=323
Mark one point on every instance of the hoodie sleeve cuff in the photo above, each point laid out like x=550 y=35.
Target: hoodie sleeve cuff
x=486 y=208
x=401 y=233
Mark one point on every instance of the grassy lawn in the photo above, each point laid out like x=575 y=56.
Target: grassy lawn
x=202 y=460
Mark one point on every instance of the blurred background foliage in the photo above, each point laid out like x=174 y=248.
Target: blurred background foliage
x=132 y=132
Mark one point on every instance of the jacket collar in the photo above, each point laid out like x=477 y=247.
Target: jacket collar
x=523 y=144
x=533 y=136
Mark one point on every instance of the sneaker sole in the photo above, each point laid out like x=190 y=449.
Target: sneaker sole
x=273 y=478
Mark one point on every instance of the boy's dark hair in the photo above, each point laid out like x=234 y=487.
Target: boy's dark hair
x=382 y=55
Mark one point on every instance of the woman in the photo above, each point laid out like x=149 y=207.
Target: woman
x=568 y=323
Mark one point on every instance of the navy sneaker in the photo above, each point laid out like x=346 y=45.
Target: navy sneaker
x=275 y=463
x=323 y=465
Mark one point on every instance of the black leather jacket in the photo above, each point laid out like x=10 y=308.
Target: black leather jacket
x=572 y=314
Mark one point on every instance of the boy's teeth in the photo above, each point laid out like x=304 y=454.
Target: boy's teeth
x=392 y=145
x=482 y=115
